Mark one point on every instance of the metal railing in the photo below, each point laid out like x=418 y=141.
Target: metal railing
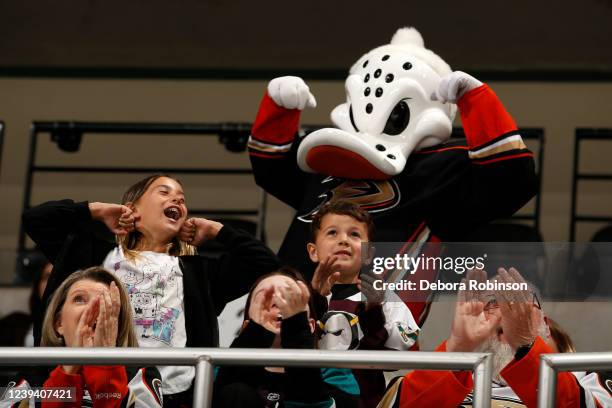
x=205 y=358
x=551 y=364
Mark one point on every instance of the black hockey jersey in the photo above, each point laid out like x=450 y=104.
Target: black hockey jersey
x=443 y=193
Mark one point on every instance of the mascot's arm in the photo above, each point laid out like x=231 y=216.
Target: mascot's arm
x=490 y=131
x=500 y=174
x=273 y=152
x=503 y=168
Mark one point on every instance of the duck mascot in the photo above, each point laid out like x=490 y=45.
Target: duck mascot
x=390 y=152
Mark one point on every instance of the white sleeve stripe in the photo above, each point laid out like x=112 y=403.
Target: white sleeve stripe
x=509 y=139
x=256 y=144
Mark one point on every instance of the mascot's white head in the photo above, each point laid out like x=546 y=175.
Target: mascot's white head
x=389 y=112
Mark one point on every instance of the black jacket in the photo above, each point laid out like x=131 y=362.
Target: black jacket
x=72 y=240
x=302 y=385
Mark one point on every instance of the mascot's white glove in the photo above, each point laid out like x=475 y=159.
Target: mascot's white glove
x=291 y=92
x=453 y=86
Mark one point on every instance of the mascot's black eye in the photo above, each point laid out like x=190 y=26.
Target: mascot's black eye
x=398 y=119
x=352 y=119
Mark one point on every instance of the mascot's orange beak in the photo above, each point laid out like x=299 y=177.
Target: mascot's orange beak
x=343 y=163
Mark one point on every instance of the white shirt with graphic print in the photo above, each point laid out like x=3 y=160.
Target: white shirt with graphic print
x=154 y=283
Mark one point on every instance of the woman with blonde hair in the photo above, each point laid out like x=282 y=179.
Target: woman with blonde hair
x=108 y=312
x=91 y=309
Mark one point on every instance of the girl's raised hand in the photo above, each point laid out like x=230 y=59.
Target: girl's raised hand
x=196 y=231
x=120 y=219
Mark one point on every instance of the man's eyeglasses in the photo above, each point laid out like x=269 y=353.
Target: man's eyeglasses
x=491 y=303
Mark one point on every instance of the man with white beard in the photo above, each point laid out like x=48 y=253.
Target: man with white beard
x=511 y=325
